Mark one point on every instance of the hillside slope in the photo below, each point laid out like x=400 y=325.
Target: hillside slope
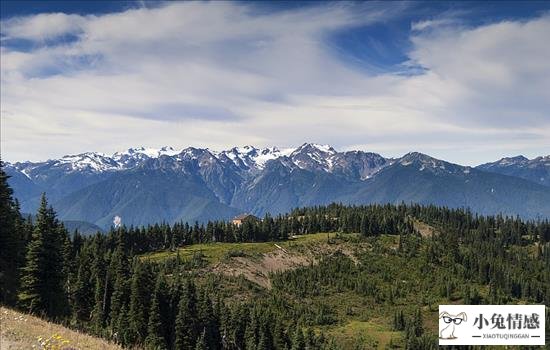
x=22 y=331
x=417 y=178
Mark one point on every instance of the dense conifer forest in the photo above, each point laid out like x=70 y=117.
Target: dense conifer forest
x=103 y=285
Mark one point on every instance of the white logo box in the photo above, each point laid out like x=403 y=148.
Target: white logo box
x=491 y=324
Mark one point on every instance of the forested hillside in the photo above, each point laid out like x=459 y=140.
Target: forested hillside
x=369 y=277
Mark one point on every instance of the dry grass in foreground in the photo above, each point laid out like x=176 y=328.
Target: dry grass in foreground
x=23 y=331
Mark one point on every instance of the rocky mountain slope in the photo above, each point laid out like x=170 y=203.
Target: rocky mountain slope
x=536 y=170
x=154 y=185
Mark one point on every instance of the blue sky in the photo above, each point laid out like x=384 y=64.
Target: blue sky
x=465 y=81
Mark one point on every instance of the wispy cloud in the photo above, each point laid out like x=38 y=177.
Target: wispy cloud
x=217 y=74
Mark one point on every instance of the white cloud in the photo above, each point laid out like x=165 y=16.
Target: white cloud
x=432 y=24
x=42 y=26
x=157 y=76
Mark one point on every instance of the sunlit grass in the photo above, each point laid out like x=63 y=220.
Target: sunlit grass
x=214 y=252
x=20 y=331
x=369 y=335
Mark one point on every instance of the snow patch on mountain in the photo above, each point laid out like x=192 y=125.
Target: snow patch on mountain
x=91 y=161
x=425 y=162
x=149 y=152
x=255 y=158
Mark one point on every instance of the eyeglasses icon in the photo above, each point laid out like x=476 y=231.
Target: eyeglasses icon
x=456 y=321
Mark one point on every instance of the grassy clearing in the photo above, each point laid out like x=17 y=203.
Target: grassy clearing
x=215 y=252
x=366 y=335
x=21 y=331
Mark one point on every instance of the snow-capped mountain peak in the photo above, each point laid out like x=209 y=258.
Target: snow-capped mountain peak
x=315 y=148
x=149 y=152
x=267 y=154
x=427 y=163
x=309 y=156
x=91 y=161
x=314 y=156
x=536 y=169
x=509 y=161
x=251 y=157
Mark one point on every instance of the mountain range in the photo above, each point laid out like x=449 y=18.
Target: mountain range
x=145 y=186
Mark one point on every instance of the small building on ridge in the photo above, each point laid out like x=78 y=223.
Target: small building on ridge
x=238 y=220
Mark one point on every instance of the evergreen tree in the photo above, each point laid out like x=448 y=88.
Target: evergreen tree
x=98 y=312
x=155 y=328
x=207 y=319
x=185 y=326
x=82 y=294
x=119 y=270
x=139 y=302
x=31 y=296
x=11 y=242
x=122 y=327
x=155 y=338
x=239 y=320
x=42 y=277
x=56 y=282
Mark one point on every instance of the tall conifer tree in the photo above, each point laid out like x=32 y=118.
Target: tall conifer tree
x=11 y=242
x=42 y=277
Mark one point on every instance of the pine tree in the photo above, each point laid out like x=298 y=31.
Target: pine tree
x=239 y=320
x=119 y=270
x=207 y=319
x=42 y=280
x=82 y=294
x=122 y=333
x=56 y=280
x=11 y=242
x=31 y=296
x=100 y=280
x=155 y=329
x=174 y=295
x=139 y=302
x=185 y=325
x=98 y=312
